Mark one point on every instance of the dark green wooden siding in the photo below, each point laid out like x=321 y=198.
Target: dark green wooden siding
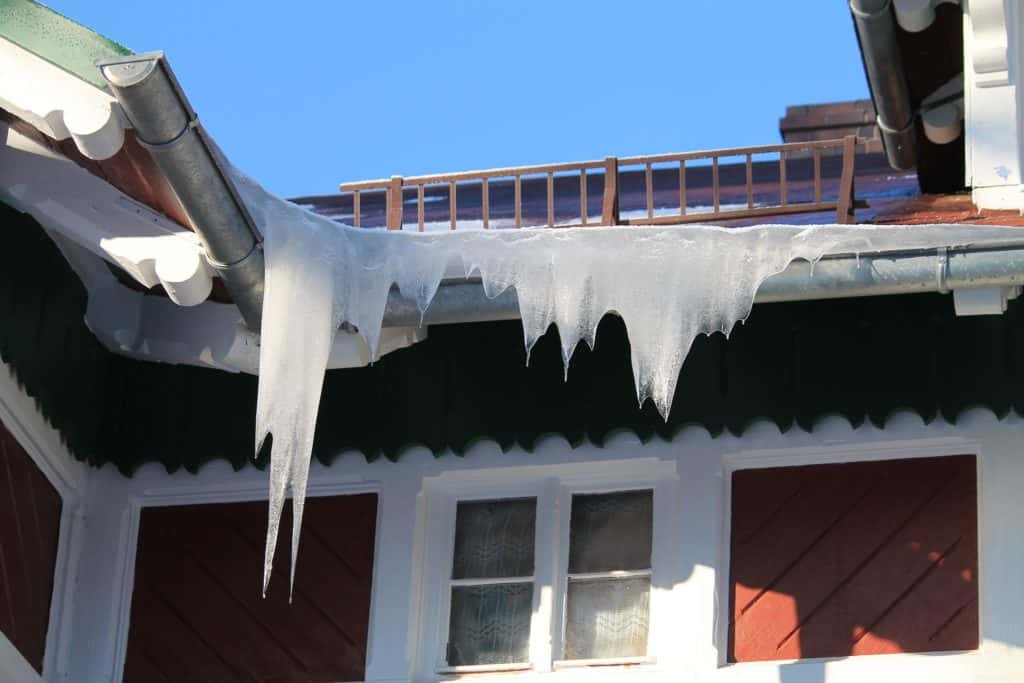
x=791 y=363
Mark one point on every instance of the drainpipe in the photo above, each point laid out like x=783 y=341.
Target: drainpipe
x=997 y=269
x=876 y=33
x=166 y=125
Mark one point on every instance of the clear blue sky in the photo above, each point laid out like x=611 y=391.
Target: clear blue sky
x=304 y=95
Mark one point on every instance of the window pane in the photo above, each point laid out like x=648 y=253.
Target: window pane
x=490 y=624
x=607 y=618
x=610 y=531
x=494 y=539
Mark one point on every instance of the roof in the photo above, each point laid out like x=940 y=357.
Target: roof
x=877 y=186
x=945 y=208
x=58 y=39
x=790 y=364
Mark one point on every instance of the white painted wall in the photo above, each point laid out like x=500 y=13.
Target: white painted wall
x=689 y=616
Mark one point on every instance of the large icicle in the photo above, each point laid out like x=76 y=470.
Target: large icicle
x=668 y=284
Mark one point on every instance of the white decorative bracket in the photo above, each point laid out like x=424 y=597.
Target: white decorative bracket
x=59 y=104
x=69 y=200
x=989 y=43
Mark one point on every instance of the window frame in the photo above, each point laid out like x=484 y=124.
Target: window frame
x=553 y=487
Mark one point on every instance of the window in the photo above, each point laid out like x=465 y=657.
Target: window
x=491 y=595
x=609 y=581
x=560 y=578
x=855 y=558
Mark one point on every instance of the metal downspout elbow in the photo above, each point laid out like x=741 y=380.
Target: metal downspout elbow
x=883 y=65
x=166 y=125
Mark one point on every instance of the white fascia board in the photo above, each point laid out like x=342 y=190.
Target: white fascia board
x=210 y=335
x=59 y=104
x=213 y=335
x=69 y=200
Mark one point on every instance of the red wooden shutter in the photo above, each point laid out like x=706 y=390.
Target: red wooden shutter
x=854 y=558
x=29 y=534
x=197 y=614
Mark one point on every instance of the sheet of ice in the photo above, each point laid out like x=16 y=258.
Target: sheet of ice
x=668 y=284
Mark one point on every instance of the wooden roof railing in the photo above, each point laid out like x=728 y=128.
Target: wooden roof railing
x=611 y=167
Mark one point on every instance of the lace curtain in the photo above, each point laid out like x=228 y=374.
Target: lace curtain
x=609 y=586
x=490 y=621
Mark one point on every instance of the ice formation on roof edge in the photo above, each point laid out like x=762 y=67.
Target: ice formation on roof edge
x=667 y=284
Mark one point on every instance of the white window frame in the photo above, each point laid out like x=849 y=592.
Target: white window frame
x=553 y=487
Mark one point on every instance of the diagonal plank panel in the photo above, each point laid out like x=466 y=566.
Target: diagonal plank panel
x=854 y=558
x=197 y=613
x=30 y=511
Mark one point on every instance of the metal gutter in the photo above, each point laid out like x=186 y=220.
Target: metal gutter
x=883 y=66
x=167 y=126
x=940 y=270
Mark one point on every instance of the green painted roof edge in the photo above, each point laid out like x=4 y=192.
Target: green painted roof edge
x=57 y=39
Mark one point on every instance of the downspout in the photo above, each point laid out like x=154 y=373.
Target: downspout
x=166 y=125
x=876 y=33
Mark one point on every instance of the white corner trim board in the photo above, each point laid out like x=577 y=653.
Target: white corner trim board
x=69 y=200
x=59 y=104
x=71 y=479
x=42 y=442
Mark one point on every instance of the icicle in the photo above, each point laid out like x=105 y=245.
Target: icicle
x=667 y=284
x=295 y=342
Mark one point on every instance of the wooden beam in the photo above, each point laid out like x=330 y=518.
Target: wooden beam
x=845 y=208
x=610 y=205
x=395 y=203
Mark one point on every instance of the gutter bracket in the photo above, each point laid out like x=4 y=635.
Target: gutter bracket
x=984 y=300
x=942 y=269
